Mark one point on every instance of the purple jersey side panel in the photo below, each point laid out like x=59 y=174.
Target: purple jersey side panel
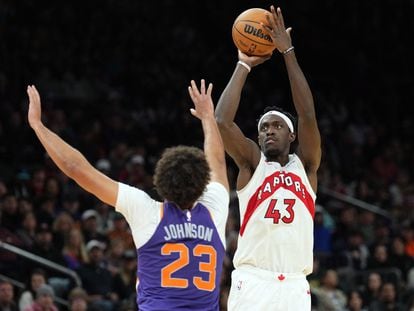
x=179 y=268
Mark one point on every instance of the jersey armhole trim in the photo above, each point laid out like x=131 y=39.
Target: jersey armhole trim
x=161 y=210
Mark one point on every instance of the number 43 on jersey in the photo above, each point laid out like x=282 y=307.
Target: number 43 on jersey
x=275 y=207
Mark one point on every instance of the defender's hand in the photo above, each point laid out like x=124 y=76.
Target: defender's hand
x=34 y=114
x=203 y=103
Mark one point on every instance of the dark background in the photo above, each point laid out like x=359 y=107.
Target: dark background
x=116 y=72
x=130 y=57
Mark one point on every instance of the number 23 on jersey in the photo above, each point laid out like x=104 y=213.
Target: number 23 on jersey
x=167 y=280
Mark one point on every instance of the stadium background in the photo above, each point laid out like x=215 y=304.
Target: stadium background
x=113 y=78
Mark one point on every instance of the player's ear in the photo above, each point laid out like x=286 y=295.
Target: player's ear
x=292 y=137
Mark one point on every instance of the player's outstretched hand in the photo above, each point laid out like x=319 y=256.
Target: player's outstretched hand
x=203 y=103
x=34 y=114
x=280 y=35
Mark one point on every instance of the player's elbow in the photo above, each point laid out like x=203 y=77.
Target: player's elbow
x=222 y=123
x=75 y=167
x=72 y=169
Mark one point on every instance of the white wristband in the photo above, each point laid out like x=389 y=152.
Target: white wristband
x=288 y=50
x=244 y=65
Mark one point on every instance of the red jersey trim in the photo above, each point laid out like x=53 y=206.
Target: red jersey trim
x=270 y=185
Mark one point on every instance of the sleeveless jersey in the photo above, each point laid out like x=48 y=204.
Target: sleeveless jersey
x=276 y=217
x=180 y=253
x=184 y=259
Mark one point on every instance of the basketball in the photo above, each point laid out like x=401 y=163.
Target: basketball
x=250 y=36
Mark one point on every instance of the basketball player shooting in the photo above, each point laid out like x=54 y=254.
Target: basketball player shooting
x=180 y=242
x=276 y=188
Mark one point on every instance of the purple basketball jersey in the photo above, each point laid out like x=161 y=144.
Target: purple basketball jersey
x=179 y=268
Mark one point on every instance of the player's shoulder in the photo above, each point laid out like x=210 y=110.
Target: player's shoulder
x=216 y=187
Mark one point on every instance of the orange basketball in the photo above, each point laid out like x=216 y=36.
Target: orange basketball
x=250 y=36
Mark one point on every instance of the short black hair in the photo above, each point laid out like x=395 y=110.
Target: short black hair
x=181 y=175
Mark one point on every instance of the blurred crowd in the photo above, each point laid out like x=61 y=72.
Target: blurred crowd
x=113 y=80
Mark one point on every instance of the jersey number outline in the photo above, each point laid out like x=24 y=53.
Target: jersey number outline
x=273 y=212
x=183 y=259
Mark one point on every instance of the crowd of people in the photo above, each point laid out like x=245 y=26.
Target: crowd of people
x=103 y=95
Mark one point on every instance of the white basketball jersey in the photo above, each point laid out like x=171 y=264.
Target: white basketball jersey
x=276 y=219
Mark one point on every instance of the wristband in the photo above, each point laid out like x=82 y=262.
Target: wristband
x=288 y=50
x=244 y=65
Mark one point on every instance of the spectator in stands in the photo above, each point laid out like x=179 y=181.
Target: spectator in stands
x=74 y=251
x=127 y=273
x=399 y=258
x=90 y=227
x=114 y=255
x=27 y=230
x=356 y=253
x=44 y=246
x=78 y=299
x=367 y=226
x=379 y=258
x=36 y=279
x=44 y=300
x=355 y=302
x=52 y=189
x=7 y=302
x=382 y=233
x=24 y=205
x=46 y=210
x=10 y=218
x=387 y=299
x=71 y=205
x=121 y=231
x=329 y=295
x=135 y=173
x=61 y=227
x=322 y=235
x=372 y=288
x=9 y=260
x=408 y=234
x=98 y=281
x=345 y=224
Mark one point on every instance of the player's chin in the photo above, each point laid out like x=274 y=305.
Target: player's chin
x=271 y=151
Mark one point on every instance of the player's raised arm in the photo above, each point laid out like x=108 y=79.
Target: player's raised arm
x=308 y=133
x=67 y=158
x=213 y=144
x=244 y=151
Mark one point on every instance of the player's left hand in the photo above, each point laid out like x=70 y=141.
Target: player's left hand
x=34 y=114
x=280 y=35
x=253 y=61
x=203 y=103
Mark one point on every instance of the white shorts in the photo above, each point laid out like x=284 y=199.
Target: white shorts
x=262 y=290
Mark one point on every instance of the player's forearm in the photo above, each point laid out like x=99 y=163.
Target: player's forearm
x=301 y=93
x=230 y=98
x=213 y=144
x=67 y=158
x=214 y=151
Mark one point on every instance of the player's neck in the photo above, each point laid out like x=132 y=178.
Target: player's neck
x=281 y=159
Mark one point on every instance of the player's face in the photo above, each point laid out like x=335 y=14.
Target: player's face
x=274 y=136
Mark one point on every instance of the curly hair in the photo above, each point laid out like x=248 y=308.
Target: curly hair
x=181 y=175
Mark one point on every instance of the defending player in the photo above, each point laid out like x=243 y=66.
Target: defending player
x=180 y=242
